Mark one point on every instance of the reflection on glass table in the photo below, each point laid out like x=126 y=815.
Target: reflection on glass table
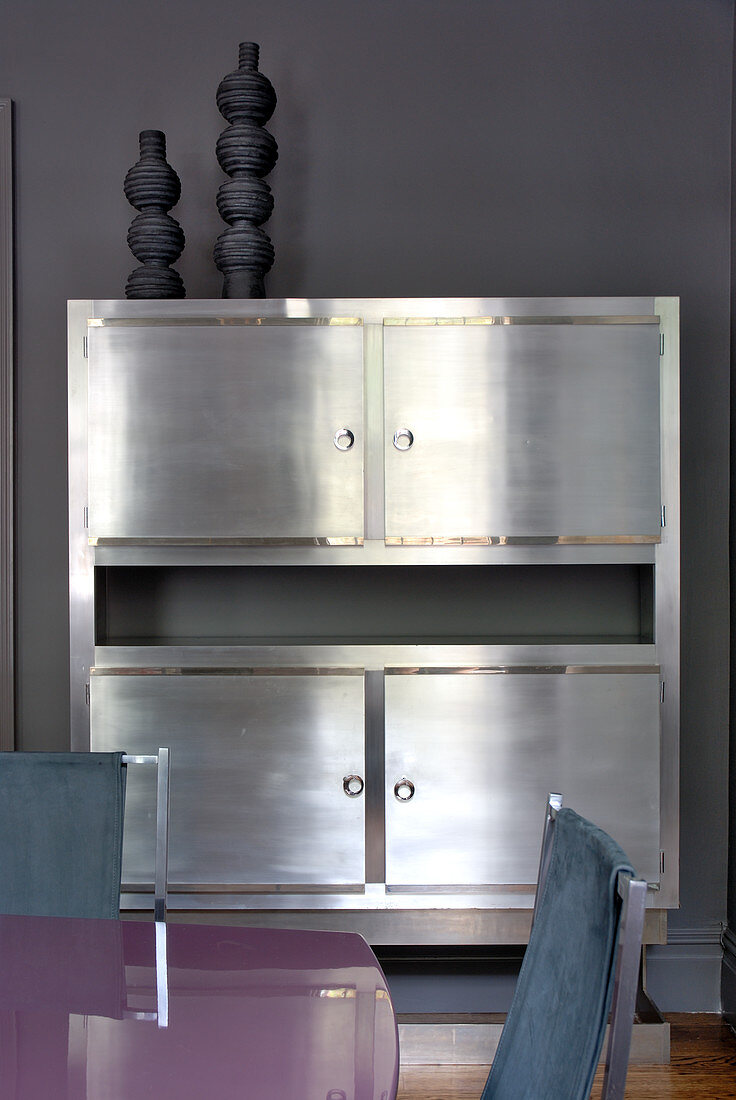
x=111 y=1010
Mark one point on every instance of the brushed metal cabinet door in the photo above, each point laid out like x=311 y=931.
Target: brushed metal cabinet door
x=523 y=430
x=217 y=432
x=257 y=769
x=483 y=751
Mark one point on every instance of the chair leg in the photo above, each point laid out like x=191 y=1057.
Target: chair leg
x=162 y=836
x=624 y=990
x=554 y=803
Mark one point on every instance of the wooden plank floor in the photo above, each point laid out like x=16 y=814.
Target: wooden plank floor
x=702 y=1067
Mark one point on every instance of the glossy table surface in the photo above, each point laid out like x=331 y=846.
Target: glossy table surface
x=108 y=1010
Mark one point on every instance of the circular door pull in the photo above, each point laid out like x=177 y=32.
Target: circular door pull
x=352 y=785
x=403 y=439
x=343 y=439
x=404 y=790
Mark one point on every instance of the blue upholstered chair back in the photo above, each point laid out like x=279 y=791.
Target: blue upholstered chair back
x=61 y=833
x=551 y=1042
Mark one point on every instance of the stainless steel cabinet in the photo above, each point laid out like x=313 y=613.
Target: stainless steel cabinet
x=251 y=439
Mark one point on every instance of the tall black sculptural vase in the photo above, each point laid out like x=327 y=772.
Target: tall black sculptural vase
x=155 y=238
x=247 y=152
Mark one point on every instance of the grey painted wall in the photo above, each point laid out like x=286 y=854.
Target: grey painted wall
x=428 y=147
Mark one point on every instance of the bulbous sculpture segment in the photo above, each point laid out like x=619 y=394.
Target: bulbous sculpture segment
x=244 y=254
x=245 y=198
x=152 y=181
x=156 y=239
x=247 y=152
x=246 y=148
x=246 y=96
x=154 y=282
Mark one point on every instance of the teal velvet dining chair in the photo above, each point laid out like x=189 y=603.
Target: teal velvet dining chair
x=582 y=960
x=61 y=832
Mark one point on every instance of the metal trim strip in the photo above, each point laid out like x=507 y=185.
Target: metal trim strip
x=246 y=888
x=521 y=540
x=318 y=541
x=375 y=773
x=504 y=670
x=621 y=319
x=461 y=889
x=147 y=670
x=217 y=322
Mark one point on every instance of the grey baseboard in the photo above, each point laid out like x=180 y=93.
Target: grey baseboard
x=684 y=975
x=472 y=1040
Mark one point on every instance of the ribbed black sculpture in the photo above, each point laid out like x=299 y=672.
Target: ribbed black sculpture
x=247 y=152
x=156 y=239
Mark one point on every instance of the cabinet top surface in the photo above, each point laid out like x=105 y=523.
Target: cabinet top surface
x=378 y=309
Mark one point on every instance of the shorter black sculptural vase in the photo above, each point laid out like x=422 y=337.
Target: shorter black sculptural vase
x=155 y=238
x=247 y=152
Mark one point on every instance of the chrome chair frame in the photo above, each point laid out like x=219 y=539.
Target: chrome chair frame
x=160 y=882
x=633 y=894
x=161 y=866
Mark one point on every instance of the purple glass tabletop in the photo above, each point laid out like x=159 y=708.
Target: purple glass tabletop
x=96 y=1010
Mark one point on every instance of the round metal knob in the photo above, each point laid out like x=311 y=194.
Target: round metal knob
x=344 y=439
x=352 y=785
x=404 y=790
x=403 y=439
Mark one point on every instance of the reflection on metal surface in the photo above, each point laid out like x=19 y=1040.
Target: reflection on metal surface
x=226 y=541
x=397 y=322
x=522 y=540
x=218 y=322
x=162 y=976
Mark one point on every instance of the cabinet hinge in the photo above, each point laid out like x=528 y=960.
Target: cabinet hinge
x=86 y=694
x=663 y=516
x=661 y=343
x=85 y=347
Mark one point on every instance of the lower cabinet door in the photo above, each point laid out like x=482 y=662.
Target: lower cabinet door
x=470 y=760
x=259 y=767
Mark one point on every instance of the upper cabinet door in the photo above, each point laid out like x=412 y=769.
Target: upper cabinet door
x=522 y=429
x=242 y=430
